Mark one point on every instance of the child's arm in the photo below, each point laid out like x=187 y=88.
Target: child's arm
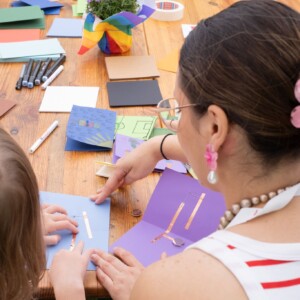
x=67 y=273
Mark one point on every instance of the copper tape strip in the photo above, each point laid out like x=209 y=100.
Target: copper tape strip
x=176 y=215
x=192 y=216
x=72 y=245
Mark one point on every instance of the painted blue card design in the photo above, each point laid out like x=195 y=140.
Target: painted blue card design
x=90 y=129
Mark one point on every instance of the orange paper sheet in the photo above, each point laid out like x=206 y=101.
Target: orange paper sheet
x=19 y=35
x=169 y=62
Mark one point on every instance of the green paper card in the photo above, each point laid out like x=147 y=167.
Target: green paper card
x=22 y=17
x=135 y=126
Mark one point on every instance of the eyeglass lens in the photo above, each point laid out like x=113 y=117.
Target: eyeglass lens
x=171 y=116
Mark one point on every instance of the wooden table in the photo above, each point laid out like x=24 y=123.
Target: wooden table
x=74 y=172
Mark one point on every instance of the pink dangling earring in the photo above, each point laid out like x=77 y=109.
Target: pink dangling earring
x=295 y=114
x=211 y=157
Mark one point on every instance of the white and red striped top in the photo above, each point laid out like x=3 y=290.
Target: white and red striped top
x=264 y=270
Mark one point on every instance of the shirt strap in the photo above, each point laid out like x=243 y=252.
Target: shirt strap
x=276 y=203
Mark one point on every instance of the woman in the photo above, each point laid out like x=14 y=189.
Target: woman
x=238 y=92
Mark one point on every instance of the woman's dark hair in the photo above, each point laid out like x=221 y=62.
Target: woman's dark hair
x=246 y=59
x=22 y=253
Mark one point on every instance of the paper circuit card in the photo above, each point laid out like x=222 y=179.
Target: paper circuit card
x=131 y=67
x=179 y=213
x=90 y=129
x=93 y=221
x=133 y=93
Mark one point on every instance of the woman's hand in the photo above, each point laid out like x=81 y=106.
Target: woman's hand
x=118 y=273
x=55 y=218
x=67 y=272
x=133 y=166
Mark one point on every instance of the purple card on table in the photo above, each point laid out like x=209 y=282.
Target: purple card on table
x=179 y=213
x=124 y=143
x=90 y=129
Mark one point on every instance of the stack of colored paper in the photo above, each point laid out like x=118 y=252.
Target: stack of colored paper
x=23 y=51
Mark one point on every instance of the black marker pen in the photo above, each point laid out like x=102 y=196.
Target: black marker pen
x=27 y=72
x=34 y=73
x=19 y=82
x=42 y=71
x=54 y=67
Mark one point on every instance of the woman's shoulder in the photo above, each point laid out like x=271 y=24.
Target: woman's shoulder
x=191 y=274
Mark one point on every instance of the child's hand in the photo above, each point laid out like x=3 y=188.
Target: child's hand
x=55 y=218
x=67 y=272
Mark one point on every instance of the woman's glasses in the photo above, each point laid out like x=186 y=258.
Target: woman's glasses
x=169 y=112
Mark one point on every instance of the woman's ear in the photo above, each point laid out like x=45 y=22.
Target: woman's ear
x=219 y=125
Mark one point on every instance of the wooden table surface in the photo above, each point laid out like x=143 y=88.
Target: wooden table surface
x=74 y=172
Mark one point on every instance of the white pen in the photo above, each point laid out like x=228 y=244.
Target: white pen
x=52 y=77
x=43 y=137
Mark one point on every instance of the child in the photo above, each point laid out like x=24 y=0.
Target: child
x=25 y=228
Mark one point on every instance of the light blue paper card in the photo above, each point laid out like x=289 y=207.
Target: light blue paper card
x=98 y=220
x=30 y=49
x=63 y=27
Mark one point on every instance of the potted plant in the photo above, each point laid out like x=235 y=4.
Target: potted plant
x=109 y=22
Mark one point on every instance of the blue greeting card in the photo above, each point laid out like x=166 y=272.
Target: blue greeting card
x=90 y=129
x=93 y=223
x=49 y=7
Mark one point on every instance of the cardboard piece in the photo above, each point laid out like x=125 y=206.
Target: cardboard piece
x=131 y=67
x=135 y=126
x=5 y=106
x=62 y=98
x=90 y=129
x=63 y=27
x=124 y=144
x=178 y=197
x=98 y=218
x=19 y=35
x=106 y=170
x=22 y=17
x=133 y=93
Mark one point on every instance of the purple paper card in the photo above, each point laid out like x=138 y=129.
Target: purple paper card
x=125 y=144
x=180 y=209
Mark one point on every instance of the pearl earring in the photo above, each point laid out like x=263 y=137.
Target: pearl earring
x=211 y=157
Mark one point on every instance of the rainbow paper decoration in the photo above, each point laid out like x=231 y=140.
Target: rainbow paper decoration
x=113 y=35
